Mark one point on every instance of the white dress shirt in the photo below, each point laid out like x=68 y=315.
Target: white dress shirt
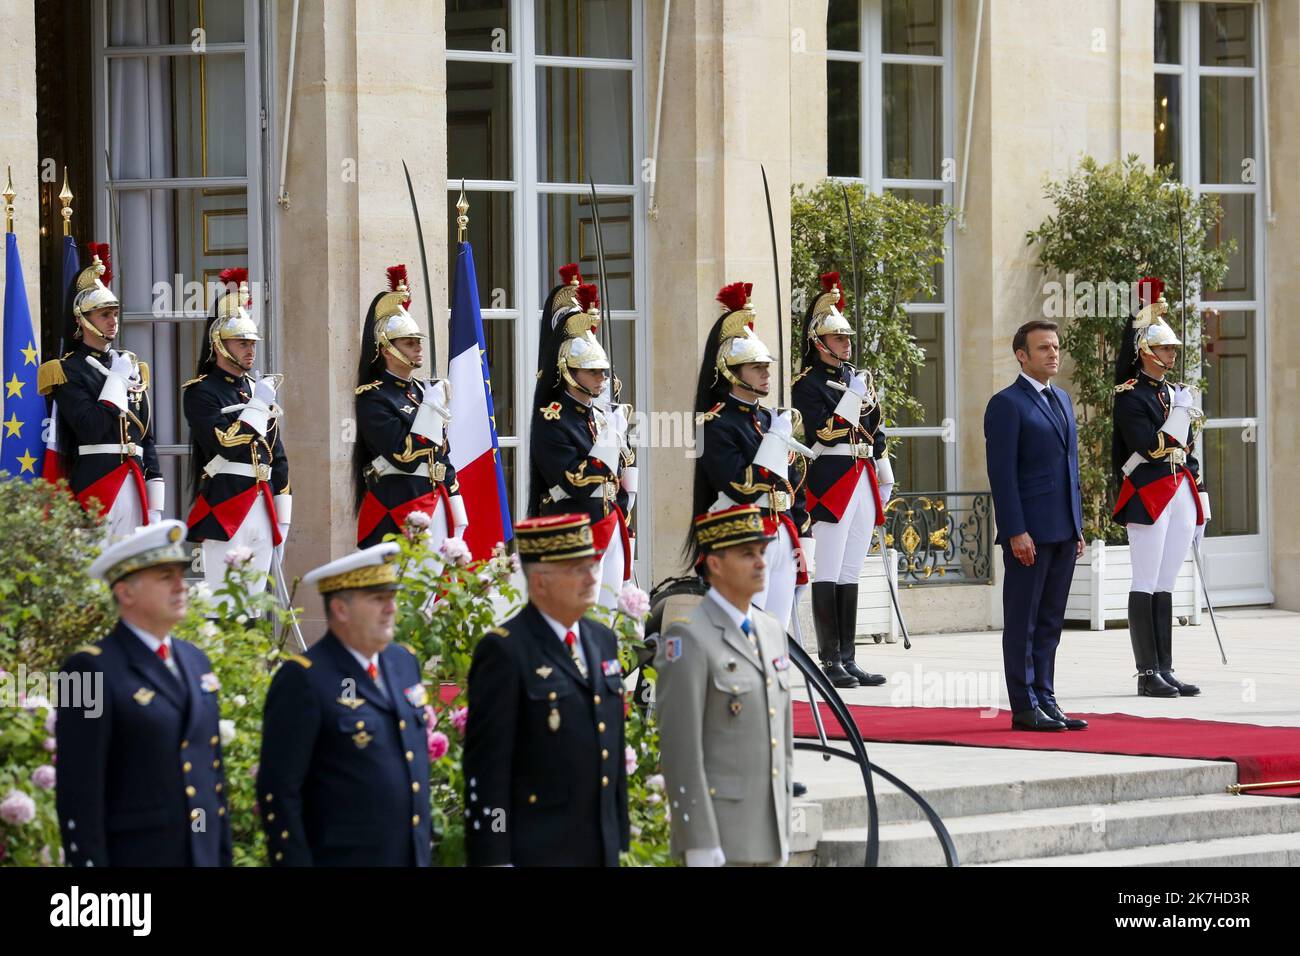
x=153 y=643
x=560 y=630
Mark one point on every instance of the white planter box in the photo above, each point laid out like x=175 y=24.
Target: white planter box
x=1099 y=591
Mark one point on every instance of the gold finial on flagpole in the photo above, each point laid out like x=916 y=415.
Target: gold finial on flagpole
x=9 y=201
x=65 y=197
x=462 y=221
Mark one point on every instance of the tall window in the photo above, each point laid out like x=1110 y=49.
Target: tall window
x=889 y=126
x=1207 y=124
x=541 y=97
x=177 y=107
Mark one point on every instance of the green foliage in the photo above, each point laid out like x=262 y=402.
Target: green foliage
x=1115 y=224
x=48 y=604
x=25 y=728
x=647 y=808
x=471 y=597
x=244 y=640
x=899 y=243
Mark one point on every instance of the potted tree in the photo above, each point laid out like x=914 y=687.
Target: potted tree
x=1114 y=224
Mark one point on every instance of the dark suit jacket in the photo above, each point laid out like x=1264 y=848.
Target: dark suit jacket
x=344 y=774
x=135 y=781
x=1033 y=465
x=545 y=780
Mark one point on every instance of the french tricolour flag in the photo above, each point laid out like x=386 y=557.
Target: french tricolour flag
x=473 y=433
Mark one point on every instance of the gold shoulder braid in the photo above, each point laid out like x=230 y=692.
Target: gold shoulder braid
x=49 y=375
x=1126 y=386
x=193 y=381
x=361 y=389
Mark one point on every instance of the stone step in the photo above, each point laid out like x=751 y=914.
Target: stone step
x=1186 y=779
x=805 y=826
x=1034 y=834
x=1265 y=849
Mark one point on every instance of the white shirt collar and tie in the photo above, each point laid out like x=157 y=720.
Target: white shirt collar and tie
x=1053 y=400
x=368 y=664
x=159 y=647
x=571 y=637
x=738 y=617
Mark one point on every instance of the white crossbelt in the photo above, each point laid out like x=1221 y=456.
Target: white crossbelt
x=130 y=448
x=850 y=451
x=383 y=468
x=763 y=501
x=219 y=466
x=1176 y=456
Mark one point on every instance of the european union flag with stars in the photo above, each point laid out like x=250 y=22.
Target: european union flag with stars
x=21 y=447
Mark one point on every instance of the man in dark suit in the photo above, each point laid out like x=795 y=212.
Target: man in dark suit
x=545 y=777
x=1033 y=463
x=344 y=773
x=140 y=772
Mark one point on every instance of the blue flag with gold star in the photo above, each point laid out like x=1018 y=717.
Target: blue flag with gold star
x=21 y=446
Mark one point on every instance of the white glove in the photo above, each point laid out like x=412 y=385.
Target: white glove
x=1184 y=396
x=459 y=520
x=264 y=391
x=857 y=384
x=431 y=420
x=627 y=480
x=774 y=450
x=1179 y=423
x=117 y=379
x=808 y=546
x=154 y=516
x=257 y=413
x=607 y=445
x=713 y=856
x=850 y=405
x=283 y=514
x=1205 y=504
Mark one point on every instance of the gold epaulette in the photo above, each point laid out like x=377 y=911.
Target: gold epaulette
x=298 y=659
x=49 y=375
x=90 y=649
x=368 y=386
x=551 y=412
x=802 y=373
x=710 y=415
x=408 y=648
x=1126 y=386
x=499 y=631
x=193 y=381
x=144 y=374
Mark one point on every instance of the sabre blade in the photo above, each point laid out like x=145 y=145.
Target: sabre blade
x=776 y=277
x=424 y=268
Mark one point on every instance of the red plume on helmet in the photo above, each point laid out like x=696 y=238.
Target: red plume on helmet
x=397 y=277
x=1150 y=288
x=588 y=296
x=831 y=280
x=568 y=273
x=232 y=278
x=735 y=295
x=102 y=250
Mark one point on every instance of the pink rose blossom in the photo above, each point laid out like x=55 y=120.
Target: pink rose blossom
x=51 y=744
x=655 y=781
x=430 y=718
x=50 y=719
x=459 y=718
x=34 y=703
x=47 y=858
x=629 y=759
x=455 y=551
x=17 y=808
x=43 y=777
x=438 y=744
x=633 y=602
x=238 y=556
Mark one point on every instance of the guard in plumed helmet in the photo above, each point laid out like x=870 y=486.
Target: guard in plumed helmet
x=239 y=472
x=102 y=409
x=847 y=478
x=401 y=462
x=544 y=767
x=746 y=449
x=580 y=460
x=343 y=778
x=1162 y=499
x=141 y=779
x=723 y=703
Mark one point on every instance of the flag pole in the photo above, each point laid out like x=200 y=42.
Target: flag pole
x=462 y=217
x=65 y=199
x=9 y=195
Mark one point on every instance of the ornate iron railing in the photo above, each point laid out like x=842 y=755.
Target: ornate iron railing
x=942 y=537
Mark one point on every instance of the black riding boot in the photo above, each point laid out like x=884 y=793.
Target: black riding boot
x=1162 y=612
x=1141 y=632
x=826 y=624
x=846 y=602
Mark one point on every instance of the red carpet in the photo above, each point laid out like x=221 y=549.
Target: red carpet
x=1260 y=753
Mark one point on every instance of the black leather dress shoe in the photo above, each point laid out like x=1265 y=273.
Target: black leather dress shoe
x=1055 y=712
x=1034 y=720
x=864 y=678
x=797 y=789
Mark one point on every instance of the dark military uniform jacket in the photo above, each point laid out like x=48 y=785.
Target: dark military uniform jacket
x=545 y=778
x=418 y=475
x=733 y=430
x=1141 y=406
x=141 y=784
x=344 y=774
x=84 y=420
x=224 y=499
x=563 y=434
x=833 y=476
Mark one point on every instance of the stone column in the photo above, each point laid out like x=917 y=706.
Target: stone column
x=18 y=145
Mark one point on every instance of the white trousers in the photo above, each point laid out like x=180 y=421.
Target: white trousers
x=611 y=572
x=256 y=535
x=1158 y=550
x=777 y=598
x=842 y=545
x=124 y=517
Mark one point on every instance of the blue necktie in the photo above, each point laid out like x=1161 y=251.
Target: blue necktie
x=1060 y=412
x=744 y=626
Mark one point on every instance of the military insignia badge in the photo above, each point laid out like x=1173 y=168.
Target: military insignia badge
x=611 y=668
x=144 y=696
x=209 y=683
x=417 y=695
x=351 y=703
x=544 y=672
x=734 y=706
x=672 y=648
x=407 y=409
x=553 y=720
x=551 y=412
x=781 y=663
x=362 y=739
